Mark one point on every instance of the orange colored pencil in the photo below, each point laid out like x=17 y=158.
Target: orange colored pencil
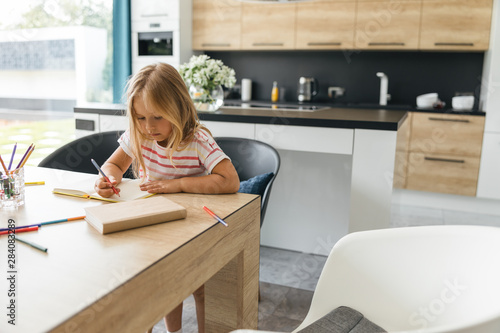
x=4 y=167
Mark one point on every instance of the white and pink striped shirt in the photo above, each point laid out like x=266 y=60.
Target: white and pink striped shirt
x=196 y=159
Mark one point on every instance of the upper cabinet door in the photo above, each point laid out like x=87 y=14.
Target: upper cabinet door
x=388 y=25
x=216 y=25
x=268 y=26
x=325 y=24
x=462 y=25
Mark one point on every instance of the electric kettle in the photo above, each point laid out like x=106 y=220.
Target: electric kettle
x=307 y=89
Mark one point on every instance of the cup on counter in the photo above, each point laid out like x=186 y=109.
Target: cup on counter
x=12 y=189
x=246 y=89
x=462 y=103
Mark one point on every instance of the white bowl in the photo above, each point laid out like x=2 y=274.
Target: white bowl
x=462 y=103
x=427 y=100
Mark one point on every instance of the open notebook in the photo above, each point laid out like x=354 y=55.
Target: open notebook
x=130 y=190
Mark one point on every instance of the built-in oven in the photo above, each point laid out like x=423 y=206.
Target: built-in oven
x=161 y=32
x=155 y=42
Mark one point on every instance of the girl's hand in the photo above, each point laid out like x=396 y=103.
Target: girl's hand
x=103 y=188
x=161 y=186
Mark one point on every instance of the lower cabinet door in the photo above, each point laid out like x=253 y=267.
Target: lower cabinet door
x=442 y=173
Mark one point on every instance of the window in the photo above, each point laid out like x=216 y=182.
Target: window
x=53 y=56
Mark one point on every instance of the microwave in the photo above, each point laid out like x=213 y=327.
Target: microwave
x=155 y=43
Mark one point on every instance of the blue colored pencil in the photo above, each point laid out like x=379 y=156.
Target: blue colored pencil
x=12 y=157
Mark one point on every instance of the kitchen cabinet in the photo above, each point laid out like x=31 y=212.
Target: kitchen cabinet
x=402 y=148
x=458 y=25
x=216 y=25
x=325 y=25
x=268 y=26
x=462 y=25
x=444 y=153
x=387 y=25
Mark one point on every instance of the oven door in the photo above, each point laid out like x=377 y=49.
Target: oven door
x=155 y=42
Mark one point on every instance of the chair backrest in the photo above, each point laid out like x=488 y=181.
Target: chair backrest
x=252 y=158
x=76 y=155
x=416 y=279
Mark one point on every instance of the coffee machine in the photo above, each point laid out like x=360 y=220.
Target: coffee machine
x=307 y=88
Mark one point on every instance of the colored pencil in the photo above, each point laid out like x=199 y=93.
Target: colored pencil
x=44 y=223
x=104 y=175
x=63 y=220
x=4 y=167
x=31 y=228
x=24 y=156
x=34 y=183
x=12 y=157
x=214 y=216
x=35 y=245
x=27 y=157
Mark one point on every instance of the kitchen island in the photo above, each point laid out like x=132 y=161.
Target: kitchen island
x=336 y=173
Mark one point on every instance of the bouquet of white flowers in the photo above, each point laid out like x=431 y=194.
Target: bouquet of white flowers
x=204 y=77
x=207 y=73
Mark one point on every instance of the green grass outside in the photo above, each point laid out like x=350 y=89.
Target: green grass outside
x=46 y=135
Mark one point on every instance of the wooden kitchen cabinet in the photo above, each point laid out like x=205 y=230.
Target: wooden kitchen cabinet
x=268 y=26
x=444 y=153
x=216 y=25
x=462 y=25
x=325 y=25
x=402 y=148
x=387 y=25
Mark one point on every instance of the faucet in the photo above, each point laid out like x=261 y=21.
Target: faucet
x=384 y=84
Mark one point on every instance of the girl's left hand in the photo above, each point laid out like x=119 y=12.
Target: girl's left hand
x=161 y=186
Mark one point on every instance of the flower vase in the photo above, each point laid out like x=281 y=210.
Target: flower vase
x=207 y=99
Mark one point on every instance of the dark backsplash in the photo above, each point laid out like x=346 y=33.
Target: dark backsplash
x=410 y=73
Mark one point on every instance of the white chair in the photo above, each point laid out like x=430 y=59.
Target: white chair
x=438 y=279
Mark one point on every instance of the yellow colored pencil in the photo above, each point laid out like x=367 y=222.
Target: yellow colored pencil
x=34 y=183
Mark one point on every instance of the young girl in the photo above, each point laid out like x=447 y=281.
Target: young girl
x=169 y=150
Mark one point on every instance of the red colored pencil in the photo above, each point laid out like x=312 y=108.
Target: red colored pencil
x=15 y=231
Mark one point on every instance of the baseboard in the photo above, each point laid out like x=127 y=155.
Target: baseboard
x=446 y=201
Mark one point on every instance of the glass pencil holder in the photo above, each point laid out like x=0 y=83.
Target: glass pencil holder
x=12 y=189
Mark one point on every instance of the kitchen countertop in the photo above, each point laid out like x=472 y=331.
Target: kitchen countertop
x=361 y=116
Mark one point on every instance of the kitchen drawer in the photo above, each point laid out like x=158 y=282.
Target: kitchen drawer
x=442 y=173
x=304 y=138
x=238 y=130
x=447 y=134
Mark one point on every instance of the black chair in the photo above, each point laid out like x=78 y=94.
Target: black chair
x=252 y=158
x=76 y=155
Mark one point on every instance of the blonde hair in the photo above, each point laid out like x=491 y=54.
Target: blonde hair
x=162 y=88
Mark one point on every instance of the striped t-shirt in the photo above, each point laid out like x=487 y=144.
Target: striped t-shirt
x=196 y=159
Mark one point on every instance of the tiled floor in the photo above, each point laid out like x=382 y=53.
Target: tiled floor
x=288 y=278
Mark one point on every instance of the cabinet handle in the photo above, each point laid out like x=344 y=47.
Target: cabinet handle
x=323 y=43
x=443 y=159
x=454 y=44
x=267 y=44
x=216 y=44
x=388 y=44
x=452 y=120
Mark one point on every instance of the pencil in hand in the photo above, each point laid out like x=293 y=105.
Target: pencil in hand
x=105 y=177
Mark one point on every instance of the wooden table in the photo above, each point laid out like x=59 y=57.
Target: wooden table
x=127 y=281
